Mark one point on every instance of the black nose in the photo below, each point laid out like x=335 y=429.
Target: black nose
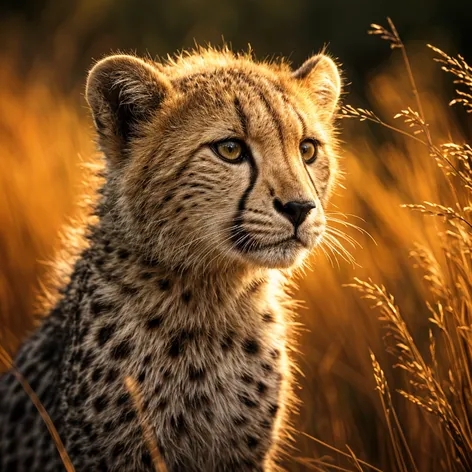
x=295 y=212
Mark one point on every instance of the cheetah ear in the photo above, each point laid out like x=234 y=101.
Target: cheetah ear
x=123 y=92
x=321 y=76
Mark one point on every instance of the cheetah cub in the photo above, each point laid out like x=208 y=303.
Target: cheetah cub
x=218 y=170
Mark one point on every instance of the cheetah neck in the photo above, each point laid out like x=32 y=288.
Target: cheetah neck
x=207 y=354
x=125 y=278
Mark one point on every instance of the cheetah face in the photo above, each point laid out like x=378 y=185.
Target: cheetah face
x=217 y=160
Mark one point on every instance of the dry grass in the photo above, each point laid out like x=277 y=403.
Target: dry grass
x=426 y=262
x=415 y=416
x=7 y=361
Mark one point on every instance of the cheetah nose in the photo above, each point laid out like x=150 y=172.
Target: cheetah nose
x=295 y=212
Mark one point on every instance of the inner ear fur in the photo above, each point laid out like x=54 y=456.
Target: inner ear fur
x=321 y=77
x=123 y=91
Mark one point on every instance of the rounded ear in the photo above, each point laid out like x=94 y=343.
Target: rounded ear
x=122 y=92
x=321 y=77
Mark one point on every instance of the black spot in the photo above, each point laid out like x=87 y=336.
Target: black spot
x=146 y=459
x=18 y=411
x=94 y=451
x=142 y=376
x=128 y=289
x=247 y=401
x=123 y=254
x=186 y=296
x=155 y=322
x=75 y=450
x=97 y=374
x=168 y=197
x=102 y=466
x=30 y=442
x=100 y=403
x=147 y=359
x=104 y=334
x=146 y=261
x=251 y=346
x=121 y=350
x=246 y=378
x=27 y=423
x=166 y=373
x=178 y=424
x=164 y=284
x=251 y=465
x=266 y=424
x=76 y=400
x=176 y=347
x=83 y=391
x=77 y=356
x=108 y=249
x=86 y=360
x=48 y=350
x=196 y=373
x=162 y=404
x=84 y=331
x=122 y=399
x=240 y=421
x=108 y=426
x=87 y=429
x=197 y=401
x=261 y=387
x=28 y=462
x=118 y=449
x=146 y=275
x=268 y=317
x=158 y=389
x=227 y=341
x=273 y=409
x=127 y=416
x=98 y=307
x=209 y=415
x=267 y=367
x=275 y=354
x=252 y=442
x=112 y=375
x=178 y=210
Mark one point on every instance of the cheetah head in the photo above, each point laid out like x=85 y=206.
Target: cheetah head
x=214 y=159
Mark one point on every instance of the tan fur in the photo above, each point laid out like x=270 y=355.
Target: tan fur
x=184 y=283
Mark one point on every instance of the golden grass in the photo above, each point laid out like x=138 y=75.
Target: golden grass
x=149 y=436
x=360 y=409
x=426 y=262
x=6 y=360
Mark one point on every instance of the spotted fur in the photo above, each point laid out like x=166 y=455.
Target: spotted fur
x=182 y=285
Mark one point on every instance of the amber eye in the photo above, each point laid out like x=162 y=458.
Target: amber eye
x=309 y=150
x=229 y=150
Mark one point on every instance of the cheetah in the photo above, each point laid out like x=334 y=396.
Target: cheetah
x=218 y=169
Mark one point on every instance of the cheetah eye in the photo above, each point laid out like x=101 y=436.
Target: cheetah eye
x=229 y=150
x=309 y=150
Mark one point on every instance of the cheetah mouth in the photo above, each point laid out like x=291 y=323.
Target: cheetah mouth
x=247 y=243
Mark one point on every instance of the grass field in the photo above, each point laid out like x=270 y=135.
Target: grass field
x=389 y=386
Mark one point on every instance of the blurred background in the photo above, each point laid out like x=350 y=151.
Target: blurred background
x=46 y=136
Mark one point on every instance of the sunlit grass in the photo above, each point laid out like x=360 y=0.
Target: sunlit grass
x=421 y=370
x=354 y=400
